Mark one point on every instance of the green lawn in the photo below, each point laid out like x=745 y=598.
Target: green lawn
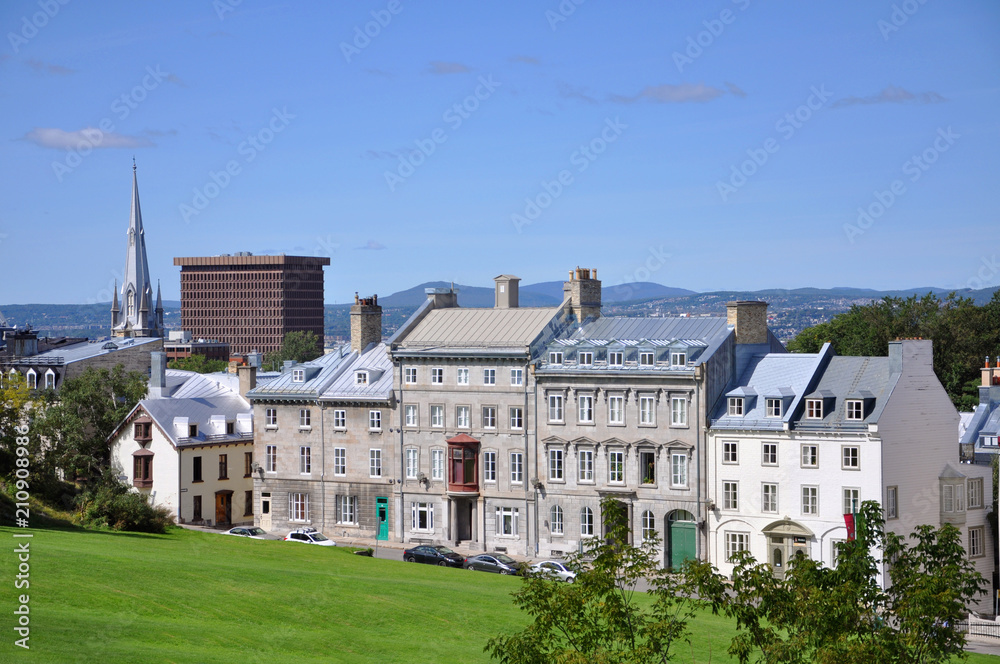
x=202 y=597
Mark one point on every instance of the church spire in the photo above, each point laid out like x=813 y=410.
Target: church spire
x=136 y=286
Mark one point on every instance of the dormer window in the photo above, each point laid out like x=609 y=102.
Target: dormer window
x=616 y=358
x=735 y=406
x=192 y=431
x=646 y=358
x=814 y=409
x=555 y=357
x=678 y=359
x=989 y=441
x=298 y=375
x=361 y=378
x=772 y=407
x=586 y=359
x=855 y=409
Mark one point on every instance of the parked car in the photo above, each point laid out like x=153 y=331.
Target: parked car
x=253 y=532
x=492 y=562
x=309 y=536
x=555 y=569
x=433 y=555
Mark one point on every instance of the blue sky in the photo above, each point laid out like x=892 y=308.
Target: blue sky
x=707 y=145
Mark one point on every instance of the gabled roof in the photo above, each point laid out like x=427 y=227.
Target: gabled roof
x=846 y=378
x=344 y=387
x=487 y=329
x=285 y=386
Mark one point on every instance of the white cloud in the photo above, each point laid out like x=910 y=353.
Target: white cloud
x=89 y=136
x=672 y=94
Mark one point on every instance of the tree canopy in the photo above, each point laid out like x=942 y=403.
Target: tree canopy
x=298 y=346
x=198 y=364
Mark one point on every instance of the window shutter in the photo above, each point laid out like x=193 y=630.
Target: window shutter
x=515 y=531
x=430 y=517
x=499 y=524
x=413 y=516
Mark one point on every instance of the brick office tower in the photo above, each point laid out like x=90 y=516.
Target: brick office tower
x=250 y=301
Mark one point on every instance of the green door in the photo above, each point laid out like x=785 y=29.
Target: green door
x=382 y=516
x=682 y=542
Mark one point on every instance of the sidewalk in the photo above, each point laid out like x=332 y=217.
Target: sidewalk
x=983 y=645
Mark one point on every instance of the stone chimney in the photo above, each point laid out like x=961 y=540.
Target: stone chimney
x=23 y=343
x=584 y=293
x=442 y=297
x=366 y=323
x=916 y=355
x=248 y=379
x=506 y=291
x=991 y=375
x=749 y=319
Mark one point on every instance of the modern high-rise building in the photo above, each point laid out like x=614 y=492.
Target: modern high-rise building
x=249 y=301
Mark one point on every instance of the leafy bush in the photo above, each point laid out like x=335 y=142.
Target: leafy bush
x=112 y=504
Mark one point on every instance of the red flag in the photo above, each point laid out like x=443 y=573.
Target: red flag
x=849 y=522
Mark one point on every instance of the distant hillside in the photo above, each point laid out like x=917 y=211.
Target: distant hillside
x=639 y=290
x=468 y=296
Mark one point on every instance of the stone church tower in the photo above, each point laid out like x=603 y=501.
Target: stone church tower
x=134 y=316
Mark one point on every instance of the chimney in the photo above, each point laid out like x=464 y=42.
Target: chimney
x=157 y=375
x=366 y=323
x=584 y=293
x=442 y=297
x=23 y=344
x=248 y=379
x=991 y=376
x=749 y=319
x=917 y=355
x=506 y=291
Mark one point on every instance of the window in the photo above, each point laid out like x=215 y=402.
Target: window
x=730 y=452
x=586 y=359
x=375 y=420
x=298 y=375
x=340 y=461
x=647 y=411
x=616 y=410
x=616 y=466
x=489 y=466
x=835 y=547
x=736 y=542
x=769 y=454
x=556 y=465
x=555 y=408
x=374 y=463
x=340 y=419
x=647 y=467
x=735 y=406
x=142 y=471
x=516 y=468
x=730 y=495
x=586 y=414
x=851 y=458
x=410 y=415
x=271 y=458
x=678 y=469
x=516 y=418
x=489 y=417
x=489 y=376
x=586 y=464
x=648 y=526
x=769 y=497
x=976 y=540
x=555 y=357
x=50 y=380
x=852 y=502
x=298 y=507
x=810 y=500
x=462 y=417
x=248 y=503
x=305 y=418
x=437 y=465
x=975 y=493
x=411 y=462
x=517 y=376
x=223 y=466
x=305 y=460
x=678 y=412
x=410 y=375
x=462 y=376
x=196 y=469
x=361 y=378
x=646 y=358
x=814 y=409
x=891 y=502
x=953 y=498
x=196 y=512
x=556 y=520
x=247 y=464
x=810 y=456
x=271 y=417
x=347 y=509
x=855 y=409
x=678 y=359
x=586 y=522
x=616 y=358
x=772 y=407
x=437 y=376
x=437 y=416
x=422 y=516
x=507 y=521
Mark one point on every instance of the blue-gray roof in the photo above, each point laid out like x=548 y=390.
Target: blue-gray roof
x=334 y=377
x=846 y=378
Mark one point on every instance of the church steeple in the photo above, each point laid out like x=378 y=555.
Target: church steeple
x=133 y=313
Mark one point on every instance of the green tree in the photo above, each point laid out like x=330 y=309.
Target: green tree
x=14 y=400
x=298 y=346
x=198 y=364
x=842 y=615
x=597 y=618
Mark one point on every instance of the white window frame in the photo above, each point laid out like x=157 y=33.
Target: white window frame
x=809 y=455
x=50 y=380
x=651 y=455
x=517 y=468
x=462 y=376
x=648 y=526
x=852 y=499
x=678 y=359
x=585 y=358
x=374 y=420
x=411 y=415
x=437 y=376
x=298 y=507
x=814 y=409
x=975 y=492
x=360 y=377
x=271 y=459
x=810 y=499
x=585 y=466
x=507 y=521
x=647 y=358
x=410 y=376
x=270 y=418
x=340 y=419
x=555 y=357
x=616 y=466
x=489 y=466
x=489 y=376
x=340 y=461
x=463 y=417
x=489 y=417
x=586 y=522
x=735 y=407
x=437 y=465
x=374 y=462
x=891 y=502
x=769 y=454
x=298 y=375
x=679 y=470
x=305 y=418
x=854 y=410
x=616 y=409
x=425 y=509
x=647 y=411
x=772 y=407
x=678 y=411
x=305 y=460
x=412 y=463
x=557 y=467
x=850 y=457
x=616 y=358
x=556 y=520
x=977 y=540
x=437 y=416
x=769 y=497
x=735 y=542
x=556 y=408
x=585 y=409
x=517 y=377
x=730 y=495
x=516 y=418
x=347 y=509
x=730 y=452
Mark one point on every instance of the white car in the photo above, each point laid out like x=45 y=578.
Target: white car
x=253 y=532
x=309 y=536
x=554 y=568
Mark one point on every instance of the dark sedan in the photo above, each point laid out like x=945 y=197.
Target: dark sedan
x=492 y=562
x=433 y=555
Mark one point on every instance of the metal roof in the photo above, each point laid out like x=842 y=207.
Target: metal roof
x=197 y=411
x=457 y=327
x=81 y=351
x=620 y=328
x=775 y=375
x=376 y=361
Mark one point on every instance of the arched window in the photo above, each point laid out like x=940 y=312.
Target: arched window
x=556 y=520
x=50 y=380
x=648 y=526
x=586 y=522
x=32 y=379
